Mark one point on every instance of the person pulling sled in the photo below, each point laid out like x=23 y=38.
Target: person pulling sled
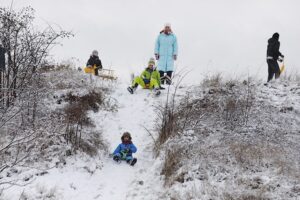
x=125 y=150
x=94 y=62
x=149 y=79
x=274 y=55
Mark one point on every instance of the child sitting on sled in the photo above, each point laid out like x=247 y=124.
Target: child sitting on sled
x=125 y=149
x=149 y=79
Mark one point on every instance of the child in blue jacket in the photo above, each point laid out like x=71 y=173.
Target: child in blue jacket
x=125 y=149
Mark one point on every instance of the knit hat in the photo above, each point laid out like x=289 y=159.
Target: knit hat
x=95 y=53
x=167 y=25
x=126 y=134
x=151 y=62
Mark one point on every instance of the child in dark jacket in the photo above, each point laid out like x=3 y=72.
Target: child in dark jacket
x=94 y=61
x=125 y=149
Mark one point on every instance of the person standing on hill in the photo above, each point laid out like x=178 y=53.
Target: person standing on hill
x=95 y=62
x=166 y=51
x=274 y=55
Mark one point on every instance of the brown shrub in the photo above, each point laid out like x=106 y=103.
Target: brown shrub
x=168 y=127
x=76 y=117
x=90 y=146
x=171 y=164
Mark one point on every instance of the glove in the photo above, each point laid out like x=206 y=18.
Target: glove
x=156 y=56
x=175 y=57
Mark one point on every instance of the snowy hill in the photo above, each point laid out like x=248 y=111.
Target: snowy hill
x=85 y=177
x=232 y=139
x=229 y=140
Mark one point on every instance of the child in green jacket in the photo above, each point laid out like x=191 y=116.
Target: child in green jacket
x=149 y=79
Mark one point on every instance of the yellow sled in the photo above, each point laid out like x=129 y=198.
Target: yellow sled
x=282 y=68
x=89 y=70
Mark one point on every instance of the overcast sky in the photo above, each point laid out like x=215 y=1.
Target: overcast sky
x=213 y=35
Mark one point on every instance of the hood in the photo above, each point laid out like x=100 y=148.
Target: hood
x=275 y=36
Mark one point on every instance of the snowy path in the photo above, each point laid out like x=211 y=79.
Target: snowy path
x=101 y=178
x=135 y=112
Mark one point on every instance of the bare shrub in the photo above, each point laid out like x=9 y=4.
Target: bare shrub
x=171 y=163
x=76 y=116
x=168 y=126
x=167 y=117
x=92 y=144
x=214 y=81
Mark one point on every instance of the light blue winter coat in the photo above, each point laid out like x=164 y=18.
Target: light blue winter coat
x=166 y=48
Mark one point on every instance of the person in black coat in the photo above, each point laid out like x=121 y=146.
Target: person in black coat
x=94 y=61
x=273 y=55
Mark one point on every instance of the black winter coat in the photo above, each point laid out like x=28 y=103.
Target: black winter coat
x=94 y=60
x=273 y=48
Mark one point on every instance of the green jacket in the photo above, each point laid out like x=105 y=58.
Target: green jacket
x=147 y=74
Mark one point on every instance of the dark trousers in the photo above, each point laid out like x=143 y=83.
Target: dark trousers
x=273 y=69
x=169 y=73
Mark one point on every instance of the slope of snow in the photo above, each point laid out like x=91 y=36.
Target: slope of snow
x=135 y=113
x=101 y=178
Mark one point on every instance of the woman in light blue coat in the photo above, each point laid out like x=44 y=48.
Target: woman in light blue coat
x=166 y=50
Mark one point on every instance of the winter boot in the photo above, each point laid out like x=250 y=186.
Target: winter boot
x=132 y=161
x=117 y=159
x=161 y=88
x=131 y=90
x=168 y=80
x=162 y=80
x=156 y=91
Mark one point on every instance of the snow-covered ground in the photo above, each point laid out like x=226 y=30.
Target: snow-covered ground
x=101 y=178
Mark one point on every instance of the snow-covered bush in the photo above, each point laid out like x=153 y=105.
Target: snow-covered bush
x=62 y=124
x=233 y=141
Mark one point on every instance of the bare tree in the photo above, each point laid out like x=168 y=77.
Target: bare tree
x=24 y=51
